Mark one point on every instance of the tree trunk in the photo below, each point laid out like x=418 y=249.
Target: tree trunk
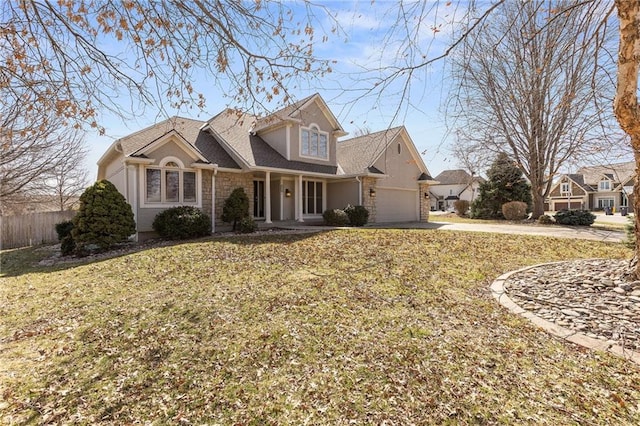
x=625 y=105
x=538 y=205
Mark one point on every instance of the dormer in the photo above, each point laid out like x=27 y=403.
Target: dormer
x=605 y=184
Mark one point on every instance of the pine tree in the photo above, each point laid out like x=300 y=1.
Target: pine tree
x=505 y=183
x=103 y=220
x=236 y=207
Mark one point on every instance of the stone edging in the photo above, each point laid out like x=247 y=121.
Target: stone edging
x=499 y=293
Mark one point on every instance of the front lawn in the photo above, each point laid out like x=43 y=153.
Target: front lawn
x=366 y=326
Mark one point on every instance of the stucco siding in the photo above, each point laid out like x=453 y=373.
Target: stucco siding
x=340 y=194
x=400 y=167
x=277 y=139
x=313 y=115
x=171 y=149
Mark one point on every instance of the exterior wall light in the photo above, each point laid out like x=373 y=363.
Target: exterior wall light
x=372 y=192
x=287 y=193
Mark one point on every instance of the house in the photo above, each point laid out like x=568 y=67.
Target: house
x=453 y=185
x=594 y=188
x=290 y=164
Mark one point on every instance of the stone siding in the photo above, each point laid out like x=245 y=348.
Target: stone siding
x=225 y=184
x=425 y=203
x=368 y=201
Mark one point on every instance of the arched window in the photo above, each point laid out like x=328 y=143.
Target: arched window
x=170 y=183
x=314 y=142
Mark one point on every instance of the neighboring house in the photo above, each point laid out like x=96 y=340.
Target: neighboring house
x=453 y=185
x=594 y=188
x=290 y=164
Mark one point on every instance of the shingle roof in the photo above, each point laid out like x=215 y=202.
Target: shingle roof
x=235 y=130
x=579 y=180
x=189 y=129
x=454 y=177
x=280 y=115
x=357 y=154
x=620 y=172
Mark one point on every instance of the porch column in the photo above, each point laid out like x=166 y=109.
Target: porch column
x=299 y=200
x=267 y=197
x=134 y=198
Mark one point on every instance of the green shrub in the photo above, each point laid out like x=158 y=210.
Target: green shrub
x=247 y=225
x=514 y=210
x=182 y=222
x=575 y=217
x=63 y=229
x=545 y=220
x=335 y=217
x=67 y=246
x=103 y=220
x=236 y=207
x=358 y=215
x=461 y=207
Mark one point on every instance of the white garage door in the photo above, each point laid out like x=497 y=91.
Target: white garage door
x=396 y=205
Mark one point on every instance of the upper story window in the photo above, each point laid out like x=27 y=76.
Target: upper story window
x=170 y=183
x=314 y=142
x=605 y=185
x=565 y=188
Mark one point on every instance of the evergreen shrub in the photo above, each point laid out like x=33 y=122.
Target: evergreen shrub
x=461 y=207
x=575 y=217
x=358 y=215
x=335 y=217
x=103 y=220
x=182 y=222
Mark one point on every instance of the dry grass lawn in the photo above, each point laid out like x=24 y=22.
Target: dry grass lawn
x=354 y=326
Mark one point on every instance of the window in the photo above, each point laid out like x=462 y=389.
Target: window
x=605 y=202
x=170 y=183
x=312 y=197
x=565 y=188
x=605 y=185
x=258 y=198
x=313 y=142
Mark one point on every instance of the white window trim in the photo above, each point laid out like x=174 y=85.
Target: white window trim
x=311 y=128
x=567 y=191
x=611 y=201
x=601 y=189
x=324 y=198
x=165 y=204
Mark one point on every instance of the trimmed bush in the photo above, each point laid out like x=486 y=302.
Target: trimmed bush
x=103 y=220
x=335 y=217
x=461 y=207
x=575 y=217
x=358 y=215
x=247 y=225
x=235 y=207
x=178 y=223
x=63 y=229
x=545 y=220
x=514 y=210
x=67 y=245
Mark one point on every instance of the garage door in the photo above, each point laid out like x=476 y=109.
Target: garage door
x=395 y=205
x=565 y=205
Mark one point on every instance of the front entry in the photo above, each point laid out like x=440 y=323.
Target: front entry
x=258 y=199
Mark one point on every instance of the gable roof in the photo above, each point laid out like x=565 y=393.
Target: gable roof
x=292 y=112
x=579 y=180
x=234 y=131
x=356 y=155
x=454 y=177
x=619 y=172
x=187 y=129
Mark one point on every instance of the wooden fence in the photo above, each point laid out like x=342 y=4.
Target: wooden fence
x=31 y=229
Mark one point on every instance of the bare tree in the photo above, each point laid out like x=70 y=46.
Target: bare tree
x=528 y=81
x=69 y=178
x=36 y=147
x=78 y=58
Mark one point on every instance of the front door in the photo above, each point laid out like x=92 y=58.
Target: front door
x=258 y=199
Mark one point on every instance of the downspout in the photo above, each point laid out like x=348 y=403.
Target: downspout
x=359 y=190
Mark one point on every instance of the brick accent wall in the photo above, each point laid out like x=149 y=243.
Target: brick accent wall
x=368 y=201
x=425 y=203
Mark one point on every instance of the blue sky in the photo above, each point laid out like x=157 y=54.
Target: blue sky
x=366 y=41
